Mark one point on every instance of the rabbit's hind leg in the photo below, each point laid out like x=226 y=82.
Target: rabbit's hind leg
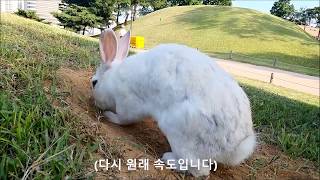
x=169 y=156
x=171 y=159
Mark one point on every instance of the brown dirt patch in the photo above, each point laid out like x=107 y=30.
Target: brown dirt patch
x=144 y=140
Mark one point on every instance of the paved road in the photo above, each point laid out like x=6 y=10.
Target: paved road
x=291 y=80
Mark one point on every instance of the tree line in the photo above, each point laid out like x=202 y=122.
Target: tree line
x=285 y=10
x=77 y=15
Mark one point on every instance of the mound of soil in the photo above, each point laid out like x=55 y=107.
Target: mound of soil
x=144 y=140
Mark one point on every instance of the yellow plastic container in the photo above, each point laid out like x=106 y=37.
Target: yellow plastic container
x=137 y=42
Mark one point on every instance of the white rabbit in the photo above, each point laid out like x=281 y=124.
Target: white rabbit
x=201 y=109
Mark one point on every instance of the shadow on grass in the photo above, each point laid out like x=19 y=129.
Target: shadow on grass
x=290 y=124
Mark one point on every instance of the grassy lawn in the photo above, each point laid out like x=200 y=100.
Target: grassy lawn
x=218 y=30
x=34 y=136
x=38 y=138
x=284 y=117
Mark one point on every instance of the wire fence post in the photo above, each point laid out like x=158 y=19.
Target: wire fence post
x=274 y=62
x=271 y=78
x=230 y=55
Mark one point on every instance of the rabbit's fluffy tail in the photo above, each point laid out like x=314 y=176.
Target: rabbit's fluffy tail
x=244 y=150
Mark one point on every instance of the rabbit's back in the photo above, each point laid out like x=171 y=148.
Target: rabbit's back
x=190 y=96
x=171 y=73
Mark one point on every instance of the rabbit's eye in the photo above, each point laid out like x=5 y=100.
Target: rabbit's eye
x=94 y=82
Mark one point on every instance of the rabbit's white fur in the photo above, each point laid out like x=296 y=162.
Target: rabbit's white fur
x=199 y=107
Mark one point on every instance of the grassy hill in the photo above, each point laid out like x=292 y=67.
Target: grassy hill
x=219 y=30
x=45 y=142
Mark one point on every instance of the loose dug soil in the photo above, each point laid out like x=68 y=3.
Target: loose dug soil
x=144 y=140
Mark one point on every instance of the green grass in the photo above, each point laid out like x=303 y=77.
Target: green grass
x=286 y=118
x=34 y=136
x=218 y=30
x=37 y=137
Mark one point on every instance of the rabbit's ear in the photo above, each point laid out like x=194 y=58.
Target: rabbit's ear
x=108 y=46
x=123 y=48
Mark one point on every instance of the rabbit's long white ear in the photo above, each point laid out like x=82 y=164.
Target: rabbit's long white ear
x=108 y=46
x=123 y=48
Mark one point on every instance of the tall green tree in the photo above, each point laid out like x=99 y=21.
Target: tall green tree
x=104 y=9
x=218 y=2
x=283 y=9
x=77 y=18
x=122 y=7
x=135 y=4
x=304 y=16
x=183 y=2
x=310 y=14
x=84 y=3
x=301 y=17
x=149 y=6
x=101 y=8
x=156 y=4
x=316 y=12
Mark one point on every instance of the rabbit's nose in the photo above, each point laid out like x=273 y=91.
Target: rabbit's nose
x=94 y=82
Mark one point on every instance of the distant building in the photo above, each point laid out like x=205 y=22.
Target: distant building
x=14 y=5
x=43 y=8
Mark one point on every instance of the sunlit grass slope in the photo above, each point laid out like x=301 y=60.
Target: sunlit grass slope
x=219 y=30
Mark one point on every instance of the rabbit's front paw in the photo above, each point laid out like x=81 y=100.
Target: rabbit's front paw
x=168 y=156
x=113 y=117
